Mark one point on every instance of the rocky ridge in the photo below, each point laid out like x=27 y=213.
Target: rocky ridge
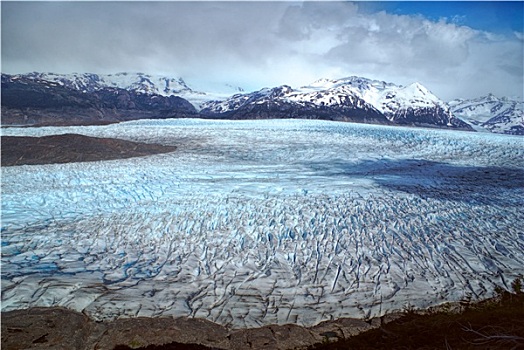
x=86 y=98
x=276 y=103
x=137 y=82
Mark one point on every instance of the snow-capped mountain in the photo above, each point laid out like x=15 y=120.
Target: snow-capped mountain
x=400 y=104
x=35 y=100
x=284 y=102
x=140 y=83
x=500 y=115
x=355 y=97
x=137 y=82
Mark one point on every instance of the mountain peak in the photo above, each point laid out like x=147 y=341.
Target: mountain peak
x=418 y=86
x=491 y=97
x=417 y=90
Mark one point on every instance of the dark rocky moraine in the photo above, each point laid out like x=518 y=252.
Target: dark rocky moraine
x=69 y=148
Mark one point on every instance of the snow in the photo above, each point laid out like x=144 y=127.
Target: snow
x=490 y=113
x=140 y=82
x=387 y=98
x=379 y=94
x=252 y=223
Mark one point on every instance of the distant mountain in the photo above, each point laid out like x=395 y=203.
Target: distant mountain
x=278 y=102
x=139 y=83
x=34 y=100
x=86 y=98
x=490 y=113
x=353 y=99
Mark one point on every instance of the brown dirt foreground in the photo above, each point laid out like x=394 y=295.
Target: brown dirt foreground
x=497 y=323
x=69 y=148
x=492 y=324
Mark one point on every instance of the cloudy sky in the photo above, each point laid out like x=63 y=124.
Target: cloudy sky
x=456 y=49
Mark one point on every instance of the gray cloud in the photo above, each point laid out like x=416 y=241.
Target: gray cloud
x=258 y=44
x=179 y=37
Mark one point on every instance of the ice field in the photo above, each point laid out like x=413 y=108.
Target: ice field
x=251 y=223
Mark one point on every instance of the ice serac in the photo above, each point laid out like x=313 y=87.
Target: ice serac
x=263 y=222
x=349 y=99
x=490 y=113
x=34 y=100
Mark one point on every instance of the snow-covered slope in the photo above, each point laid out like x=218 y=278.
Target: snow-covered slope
x=138 y=82
x=284 y=102
x=354 y=99
x=411 y=105
x=500 y=115
x=238 y=100
x=396 y=102
x=386 y=97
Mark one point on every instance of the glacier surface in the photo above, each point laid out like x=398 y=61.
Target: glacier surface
x=252 y=223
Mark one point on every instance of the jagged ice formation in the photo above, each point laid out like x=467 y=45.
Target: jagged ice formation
x=258 y=222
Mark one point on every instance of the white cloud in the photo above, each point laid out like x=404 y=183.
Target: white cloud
x=258 y=44
x=450 y=59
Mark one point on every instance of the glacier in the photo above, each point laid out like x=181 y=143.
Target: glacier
x=260 y=222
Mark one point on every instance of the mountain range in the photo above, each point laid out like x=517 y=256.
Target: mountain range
x=72 y=99
x=33 y=100
x=499 y=115
x=352 y=99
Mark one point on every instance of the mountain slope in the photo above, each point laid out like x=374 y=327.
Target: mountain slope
x=33 y=101
x=137 y=82
x=350 y=99
x=499 y=115
x=282 y=102
x=410 y=105
x=79 y=98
